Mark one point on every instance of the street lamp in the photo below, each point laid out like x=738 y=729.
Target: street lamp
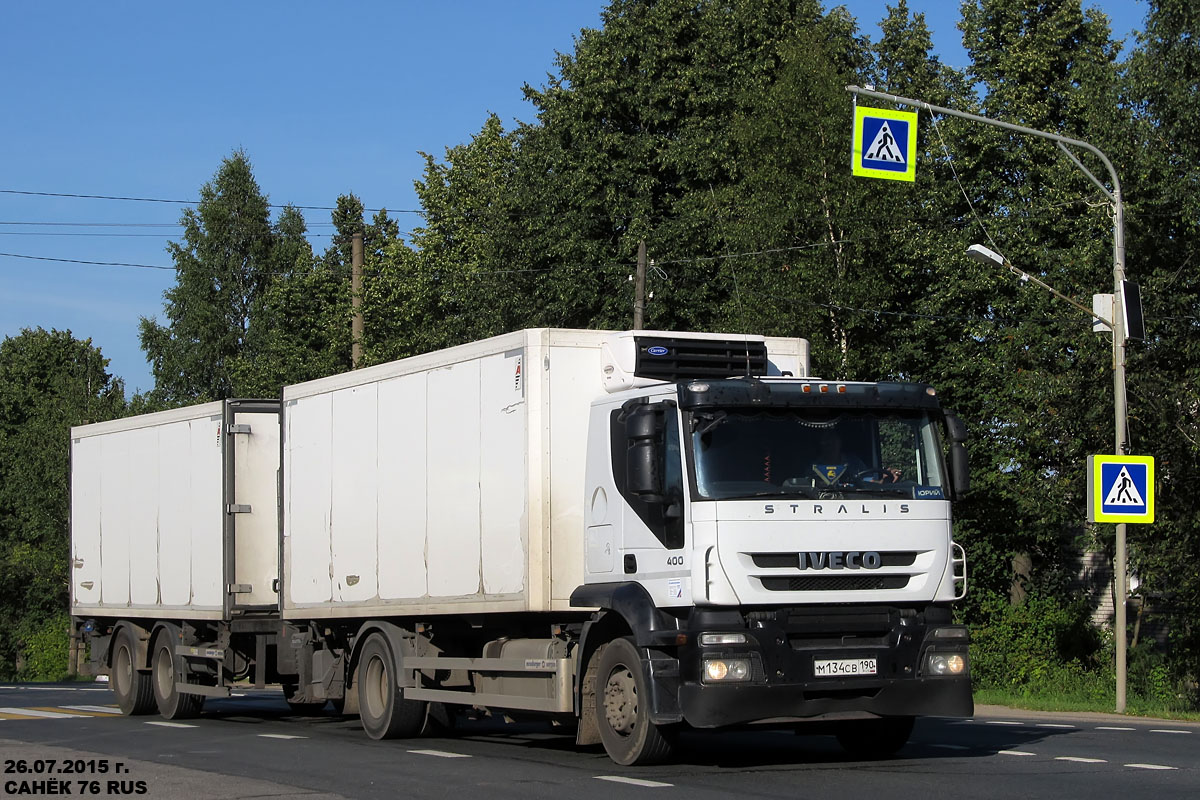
x=983 y=255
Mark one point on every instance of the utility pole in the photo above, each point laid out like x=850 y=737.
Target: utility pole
x=356 y=324
x=639 y=289
x=1118 y=329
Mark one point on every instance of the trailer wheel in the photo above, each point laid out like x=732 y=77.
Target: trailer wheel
x=384 y=712
x=622 y=708
x=172 y=703
x=875 y=738
x=133 y=689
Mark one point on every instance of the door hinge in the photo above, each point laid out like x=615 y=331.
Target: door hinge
x=237 y=508
x=240 y=428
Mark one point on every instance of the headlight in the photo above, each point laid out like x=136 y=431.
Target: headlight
x=726 y=669
x=708 y=639
x=945 y=664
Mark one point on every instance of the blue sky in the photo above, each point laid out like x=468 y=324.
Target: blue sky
x=141 y=99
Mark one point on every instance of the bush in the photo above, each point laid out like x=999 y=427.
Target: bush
x=45 y=644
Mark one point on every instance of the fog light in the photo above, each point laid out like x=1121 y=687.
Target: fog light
x=726 y=669
x=946 y=664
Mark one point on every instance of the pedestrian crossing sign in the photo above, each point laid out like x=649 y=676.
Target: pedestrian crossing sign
x=885 y=144
x=1120 y=489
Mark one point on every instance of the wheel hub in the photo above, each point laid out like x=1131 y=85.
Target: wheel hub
x=621 y=701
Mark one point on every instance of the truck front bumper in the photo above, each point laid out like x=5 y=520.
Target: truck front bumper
x=711 y=706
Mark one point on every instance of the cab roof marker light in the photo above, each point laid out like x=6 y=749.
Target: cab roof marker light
x=824 y=388
x=806 y=388
x=932 y=392
x=841 y=388
x=697 y=386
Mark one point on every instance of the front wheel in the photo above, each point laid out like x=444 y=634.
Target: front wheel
x=623 y=708
x=875 y=738
x=134 y=693
x=382 y=709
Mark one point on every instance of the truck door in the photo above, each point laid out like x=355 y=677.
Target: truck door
x=654 y=532
x=251 y=452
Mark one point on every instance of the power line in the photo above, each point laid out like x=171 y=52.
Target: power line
x=79 y=261
x=185 y=202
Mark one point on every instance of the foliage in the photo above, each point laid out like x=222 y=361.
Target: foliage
x=45 y=644
x=49 y=381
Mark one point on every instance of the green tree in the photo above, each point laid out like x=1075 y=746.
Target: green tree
x=49 y=381
x=1163 y=215
x=222 y=269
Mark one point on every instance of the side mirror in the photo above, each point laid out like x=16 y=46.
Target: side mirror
x=960 y=471
x=643 y=454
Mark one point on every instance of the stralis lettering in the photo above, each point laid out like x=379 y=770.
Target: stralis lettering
x=822 y=509
x=852 y=559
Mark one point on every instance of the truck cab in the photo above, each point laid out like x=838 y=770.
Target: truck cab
x=781 y=549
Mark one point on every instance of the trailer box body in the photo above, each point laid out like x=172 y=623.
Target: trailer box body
x=451 y=482
x=175 y=513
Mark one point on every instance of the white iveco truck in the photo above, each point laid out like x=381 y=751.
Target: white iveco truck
x=632 y=533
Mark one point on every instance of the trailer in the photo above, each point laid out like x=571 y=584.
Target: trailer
x=631 y=533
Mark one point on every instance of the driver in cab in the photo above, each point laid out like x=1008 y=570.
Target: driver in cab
x=834 y=465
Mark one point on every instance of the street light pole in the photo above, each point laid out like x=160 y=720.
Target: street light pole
x=1120 y=410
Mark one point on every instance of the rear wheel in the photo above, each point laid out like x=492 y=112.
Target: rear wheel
x=623 y=710
x=171 y=703
x=875 y=738
x=384 y=712
x=133 y=689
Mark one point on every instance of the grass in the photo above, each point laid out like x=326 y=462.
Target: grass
x=1135 y=706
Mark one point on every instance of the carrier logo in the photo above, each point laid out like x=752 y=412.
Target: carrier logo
x=657 y=350
x=852 y=559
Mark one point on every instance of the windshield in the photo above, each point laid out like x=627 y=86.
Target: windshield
x=816 y=453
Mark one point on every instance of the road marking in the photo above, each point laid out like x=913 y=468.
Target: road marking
x=1167 y=730
x=1081 y=760
x=439 y=753
x=1149 y=766
x=1002 y=722
x=96 y=709
x=279 y=736
x=172 y=724
x=1053 y=725
x=1113 y=728
x=632 y=781
x=35 y=713
x=1014 y=753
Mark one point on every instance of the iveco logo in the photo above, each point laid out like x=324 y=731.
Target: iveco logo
x=657 y=350
x=852 y=559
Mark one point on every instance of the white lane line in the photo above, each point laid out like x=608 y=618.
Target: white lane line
x=1149 y=766
x=439 y=753
x=96 y=709
x=1167 y=730
x=1002 y=722
x=1014 y=753
x=1113 y=728
x=632 y=781
x=279 y=736
x=33 y=712
x=1081 y=760
x=1053 y=725
x=94 y=690
x=172 y=724
x=951 y=746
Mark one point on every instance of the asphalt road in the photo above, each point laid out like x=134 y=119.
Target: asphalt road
x=252 y=746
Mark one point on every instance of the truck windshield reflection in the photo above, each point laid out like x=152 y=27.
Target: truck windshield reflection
x=816 y=454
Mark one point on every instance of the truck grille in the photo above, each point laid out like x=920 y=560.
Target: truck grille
x=898 y=558
x=697 y=358
x=834 y=583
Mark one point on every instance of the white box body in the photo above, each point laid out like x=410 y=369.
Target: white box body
x=450 y=482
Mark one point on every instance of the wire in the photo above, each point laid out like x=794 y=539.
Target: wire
x=187 y=202
x=79 y=261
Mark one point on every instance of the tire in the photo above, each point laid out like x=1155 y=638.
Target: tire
x=622 y=708
x=301 y=706
x=872 y=739
x=382 y=709
x=172 y=704
x=135 y=695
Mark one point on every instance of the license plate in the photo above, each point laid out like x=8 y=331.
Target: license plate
x=843 y=667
